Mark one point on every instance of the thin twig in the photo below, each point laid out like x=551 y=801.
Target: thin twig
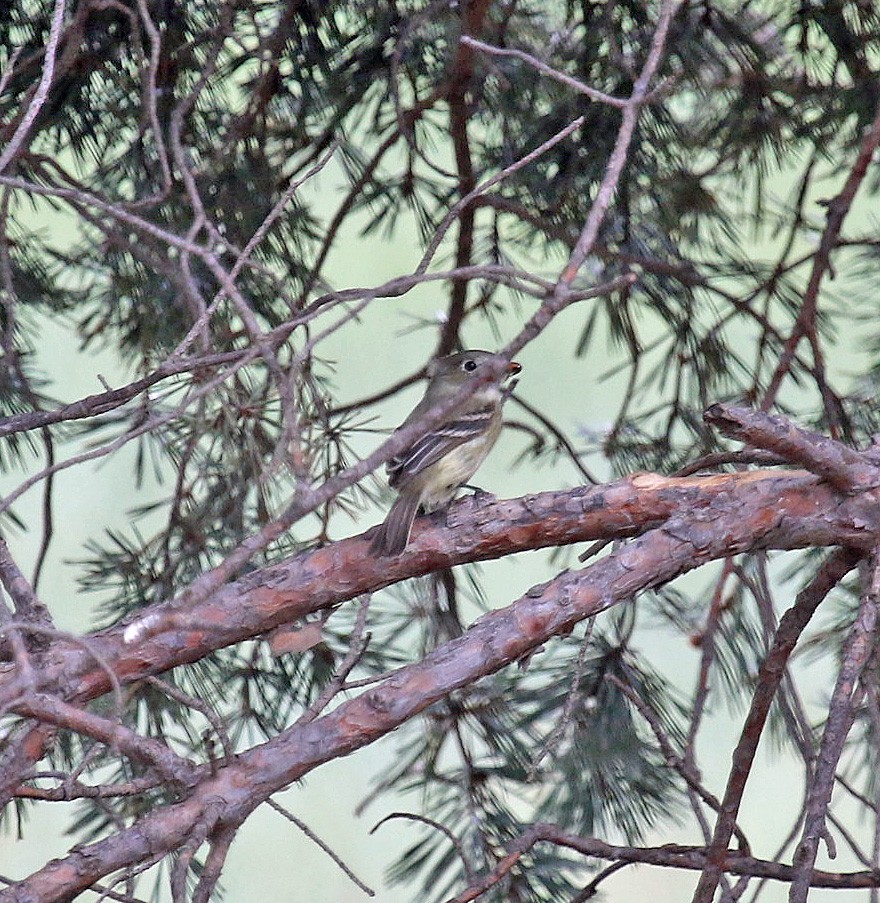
x=573 y=83
x=322 y=844
x=607 y=189
x=437 y=826
x=199 y=705
x=806 y=325
x=571 y=698
x=42 y=91
x=357 y=645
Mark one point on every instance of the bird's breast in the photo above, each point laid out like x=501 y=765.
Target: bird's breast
x=442 y=480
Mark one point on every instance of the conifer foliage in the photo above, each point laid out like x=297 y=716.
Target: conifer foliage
x=692 y=187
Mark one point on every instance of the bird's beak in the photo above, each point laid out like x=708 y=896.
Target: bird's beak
x=513 y=368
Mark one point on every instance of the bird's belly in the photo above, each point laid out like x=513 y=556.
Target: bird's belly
x=455 y=468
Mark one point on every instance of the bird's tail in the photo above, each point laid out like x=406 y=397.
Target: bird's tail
x=393 y=534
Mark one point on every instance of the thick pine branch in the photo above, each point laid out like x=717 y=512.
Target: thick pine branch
x=775 y=509
x=684 y=523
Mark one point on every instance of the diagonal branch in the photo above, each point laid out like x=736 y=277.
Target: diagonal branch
x=563 y=78
x=844 y=468
x=499 y=638
x=859 y=648
x=792 y=625
x=42 y=90
x=772 y=510
x=667 y=856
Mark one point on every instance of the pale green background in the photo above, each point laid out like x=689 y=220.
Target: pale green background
x=271 y=861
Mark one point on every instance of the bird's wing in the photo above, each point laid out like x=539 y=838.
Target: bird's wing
x=441 y=440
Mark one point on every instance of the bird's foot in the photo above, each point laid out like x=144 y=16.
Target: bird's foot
x=480 y=495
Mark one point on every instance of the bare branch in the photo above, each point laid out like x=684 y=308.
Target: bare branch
x=845 y=469
x=573 y=83
x=173 y=768
x=805 y=512
x=859 y=649
x=322 y=844
x=42 y=91
x=792 y=625
x=667 y=856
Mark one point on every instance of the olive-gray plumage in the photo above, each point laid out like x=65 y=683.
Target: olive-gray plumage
x=431 y=470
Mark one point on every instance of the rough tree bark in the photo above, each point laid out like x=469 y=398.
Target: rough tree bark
x=667 y=526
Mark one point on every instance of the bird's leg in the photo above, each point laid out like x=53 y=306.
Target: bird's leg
x=480 y=495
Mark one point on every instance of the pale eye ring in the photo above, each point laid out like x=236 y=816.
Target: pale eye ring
x=470 y=365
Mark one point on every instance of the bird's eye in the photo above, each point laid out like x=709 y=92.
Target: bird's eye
x=470 y=365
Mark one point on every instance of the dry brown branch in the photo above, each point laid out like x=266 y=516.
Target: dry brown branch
x=69 y=789
x=667 y=856
x=49 y=710
x=842 y=467
x=775 y=510
x=689 y=522
x=791 y=627
x=26 y=604
x=848 y=691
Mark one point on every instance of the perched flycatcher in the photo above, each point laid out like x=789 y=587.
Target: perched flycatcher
x=429 y=472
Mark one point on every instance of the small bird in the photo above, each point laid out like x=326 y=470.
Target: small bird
x=432 y=469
